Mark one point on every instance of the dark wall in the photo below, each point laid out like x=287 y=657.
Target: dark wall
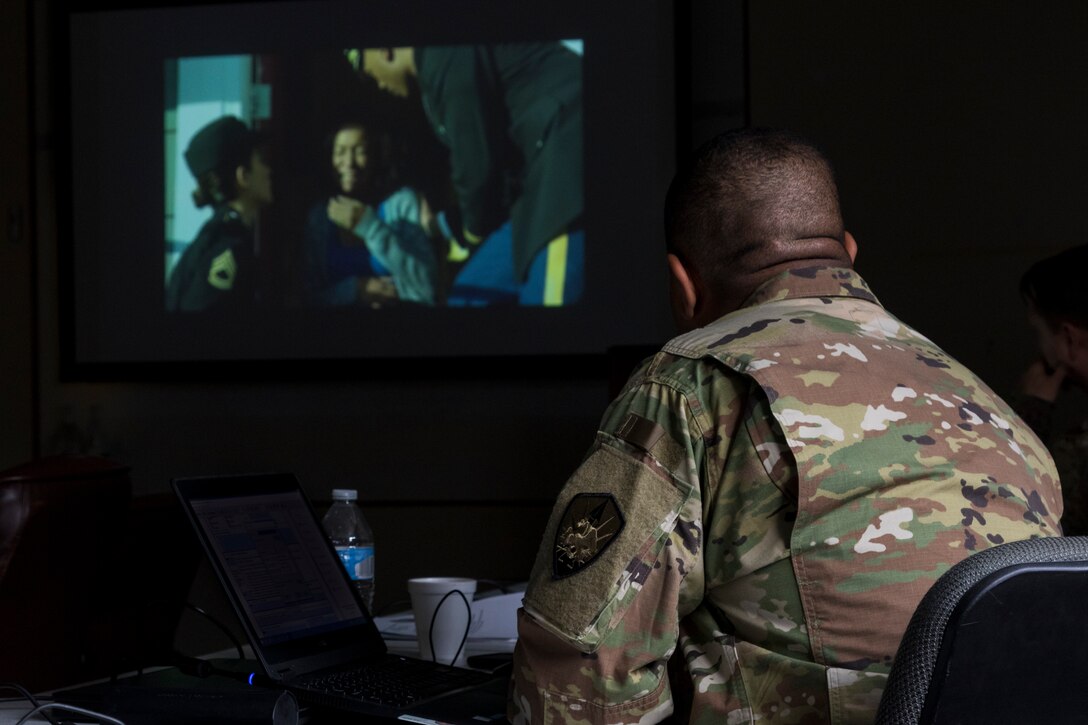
x=958 y=132
x=17 y=400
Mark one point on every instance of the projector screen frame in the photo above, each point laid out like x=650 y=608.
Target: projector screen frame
x=668 y=49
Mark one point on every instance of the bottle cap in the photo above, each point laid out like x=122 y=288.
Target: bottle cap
x=344 y=494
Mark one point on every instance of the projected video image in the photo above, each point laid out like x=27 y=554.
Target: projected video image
x=375 y=177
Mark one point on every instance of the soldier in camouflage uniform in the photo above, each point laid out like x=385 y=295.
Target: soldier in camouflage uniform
x=770 y=496
x=1057 y=304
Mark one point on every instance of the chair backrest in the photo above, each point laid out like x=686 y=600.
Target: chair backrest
x=61 y=525
x=1002 y=637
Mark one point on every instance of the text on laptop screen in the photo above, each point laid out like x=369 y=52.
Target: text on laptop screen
x=278 y=562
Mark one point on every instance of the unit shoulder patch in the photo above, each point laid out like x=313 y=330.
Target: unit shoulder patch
x=222 y=271
x=589 y=525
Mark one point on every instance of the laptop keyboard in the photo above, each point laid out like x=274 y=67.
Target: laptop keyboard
x=395 y=681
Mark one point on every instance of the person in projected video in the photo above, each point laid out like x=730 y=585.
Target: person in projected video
x=355 y=252
x=511 y=117
x=218 y=269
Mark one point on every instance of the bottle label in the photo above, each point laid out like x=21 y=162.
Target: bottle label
x=358 y=560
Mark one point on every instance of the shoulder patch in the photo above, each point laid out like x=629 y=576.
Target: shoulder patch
x=590 y=523
x=222 y=271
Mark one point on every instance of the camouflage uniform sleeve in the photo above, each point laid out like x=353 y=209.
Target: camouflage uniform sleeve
x=619 y=566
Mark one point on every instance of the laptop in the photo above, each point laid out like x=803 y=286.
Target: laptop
x=306 y=624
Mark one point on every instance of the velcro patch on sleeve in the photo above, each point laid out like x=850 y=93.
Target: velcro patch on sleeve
x=614 y=512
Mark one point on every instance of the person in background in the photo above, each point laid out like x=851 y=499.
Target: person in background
x=511 y=117
x=1057 y=309
x=218 y=269
x=771 y=495
x=359 y=252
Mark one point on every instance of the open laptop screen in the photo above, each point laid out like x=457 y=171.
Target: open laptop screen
x=278 y=562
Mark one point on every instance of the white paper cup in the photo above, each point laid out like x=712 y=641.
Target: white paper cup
x=442 y=616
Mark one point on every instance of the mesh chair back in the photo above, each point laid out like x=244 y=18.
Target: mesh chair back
x=1000 y=637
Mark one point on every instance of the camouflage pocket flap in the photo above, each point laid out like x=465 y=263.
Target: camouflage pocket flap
x=609 y=522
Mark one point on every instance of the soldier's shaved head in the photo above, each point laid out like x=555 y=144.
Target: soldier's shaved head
x=751 y=203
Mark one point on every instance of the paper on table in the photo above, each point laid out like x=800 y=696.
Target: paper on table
x=492 y=618
x=397 y=626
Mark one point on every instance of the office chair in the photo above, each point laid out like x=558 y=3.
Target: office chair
x=1001 y=637
x=62 y=519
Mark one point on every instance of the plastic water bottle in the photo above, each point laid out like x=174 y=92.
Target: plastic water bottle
x=349 y=532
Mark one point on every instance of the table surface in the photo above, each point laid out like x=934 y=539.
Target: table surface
x=397 y=629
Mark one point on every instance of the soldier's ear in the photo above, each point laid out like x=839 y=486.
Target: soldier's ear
x=851 y=245
x=241 y=176
x=683 y=293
